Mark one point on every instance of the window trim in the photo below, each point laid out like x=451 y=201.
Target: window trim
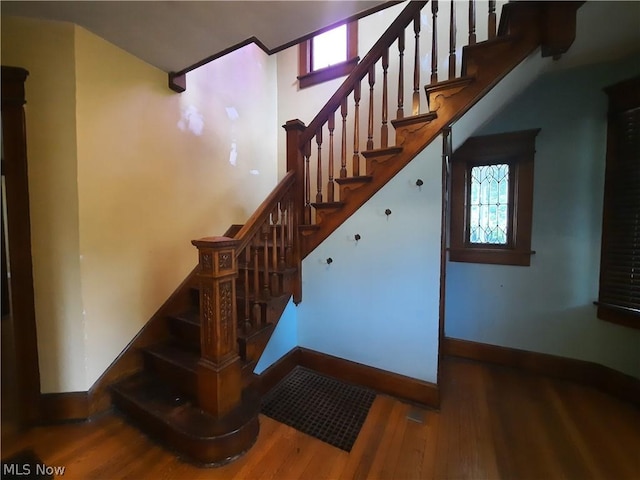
x=623 y=96
x=308 y=77
x=517 y=149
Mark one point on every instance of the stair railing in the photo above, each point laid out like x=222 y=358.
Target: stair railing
x=268 y=245
x=334 y=146
x=263 y=250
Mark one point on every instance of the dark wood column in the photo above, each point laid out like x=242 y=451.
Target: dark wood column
x=14 y=169
x=219 y=371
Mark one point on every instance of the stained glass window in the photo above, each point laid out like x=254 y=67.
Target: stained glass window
x=489 y=204
x=491 y=185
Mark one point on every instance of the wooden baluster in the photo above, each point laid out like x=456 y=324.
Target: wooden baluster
x=319 y=171
x=356 y=131
x=492 y=19
x=384 y=131
x=452 y=41
x=275 y=288
x=416 y=66
x=472 y=22
x=372 y=81
x=343 y=157
x=247 y=310
x=434 y=41
x=307 y=184
x=256 y=311
x=330 y=184
x=266 y=292
x=291 y=230
x=400 y=112
x=282 y=263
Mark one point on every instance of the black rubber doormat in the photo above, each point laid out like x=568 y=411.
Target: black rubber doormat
x=26 y=465
x=323 y=407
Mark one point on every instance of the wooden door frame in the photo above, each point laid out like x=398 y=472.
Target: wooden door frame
x=15 y=171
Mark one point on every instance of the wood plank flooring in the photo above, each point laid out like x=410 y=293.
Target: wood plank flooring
x=494 y=423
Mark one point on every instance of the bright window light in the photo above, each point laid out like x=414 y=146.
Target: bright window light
x=330 y=48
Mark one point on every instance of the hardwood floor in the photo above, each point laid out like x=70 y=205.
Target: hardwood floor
x=9 y=411
x=494 y=423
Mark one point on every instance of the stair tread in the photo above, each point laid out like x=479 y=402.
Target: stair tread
x=327 y=205
x=409 y=120
x=358 y=179
x=163 y=402
x=178 y=356
x=379 y=152
x=191 y=316
x=454 y=82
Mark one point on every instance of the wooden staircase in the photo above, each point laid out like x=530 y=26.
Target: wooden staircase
x=195 y=388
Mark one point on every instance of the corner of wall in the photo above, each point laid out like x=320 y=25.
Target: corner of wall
x=283 y=339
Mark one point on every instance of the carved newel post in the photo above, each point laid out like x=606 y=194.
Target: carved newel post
x=219 y=371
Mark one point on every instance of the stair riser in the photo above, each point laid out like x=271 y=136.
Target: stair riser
x=345 y=190
x=186 y=334
x=183 y=380
x=194 y=297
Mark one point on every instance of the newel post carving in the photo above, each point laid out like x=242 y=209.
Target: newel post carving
x=219 y=371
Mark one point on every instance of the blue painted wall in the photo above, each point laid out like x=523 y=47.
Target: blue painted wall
x=377 y=303
x=548 y=307
x=283 y=339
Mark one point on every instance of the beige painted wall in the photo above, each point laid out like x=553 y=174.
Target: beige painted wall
x=124 y=174
x=46 y=50
x=154 y=172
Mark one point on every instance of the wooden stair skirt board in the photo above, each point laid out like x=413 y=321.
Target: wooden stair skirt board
x=170 y=417
x=400 y=386
x=583 y=372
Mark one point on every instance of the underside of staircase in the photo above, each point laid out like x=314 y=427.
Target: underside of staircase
x=195 y=389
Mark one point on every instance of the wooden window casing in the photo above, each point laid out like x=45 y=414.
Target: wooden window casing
x=619 y=291
x=516 y=149
x=308 y=77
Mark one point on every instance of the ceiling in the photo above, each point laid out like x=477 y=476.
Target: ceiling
x=174 y=35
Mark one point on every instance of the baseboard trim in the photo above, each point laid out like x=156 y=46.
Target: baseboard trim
x=64 y=407
x=272 y=375
x=79 y=406
x=401 y=386
x=583 y=372
x=82 y=406
x=383 y=381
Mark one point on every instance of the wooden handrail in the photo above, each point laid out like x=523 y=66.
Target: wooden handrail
x=253 y=225
x=362 y=69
